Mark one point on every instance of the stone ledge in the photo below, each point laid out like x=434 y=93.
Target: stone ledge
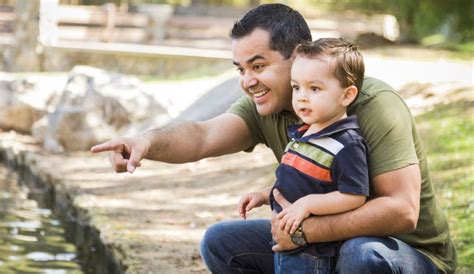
x=148 y=222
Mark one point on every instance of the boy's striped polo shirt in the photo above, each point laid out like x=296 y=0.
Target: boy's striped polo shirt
x=334 y=159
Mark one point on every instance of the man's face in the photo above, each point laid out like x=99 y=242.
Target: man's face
x=264 y=73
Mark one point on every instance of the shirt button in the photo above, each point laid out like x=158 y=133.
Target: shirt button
x=295 y=145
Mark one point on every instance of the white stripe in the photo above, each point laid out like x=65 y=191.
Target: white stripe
x=330 y=144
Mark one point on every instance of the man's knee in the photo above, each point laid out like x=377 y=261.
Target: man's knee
x=364 y=255
x=210 y=241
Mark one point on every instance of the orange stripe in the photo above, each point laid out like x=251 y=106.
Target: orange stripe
x=306 y=167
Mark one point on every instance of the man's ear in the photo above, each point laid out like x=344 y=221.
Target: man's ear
x=350 y=94
x=293 y=54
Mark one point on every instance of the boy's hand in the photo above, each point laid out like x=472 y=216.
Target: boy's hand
x=249 y=201
x=292 y=216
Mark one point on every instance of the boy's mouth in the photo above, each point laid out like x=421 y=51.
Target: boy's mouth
x=304 y=111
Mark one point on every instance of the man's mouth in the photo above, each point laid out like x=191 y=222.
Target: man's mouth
x=260 y=93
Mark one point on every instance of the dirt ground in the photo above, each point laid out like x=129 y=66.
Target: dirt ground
x=155 y=218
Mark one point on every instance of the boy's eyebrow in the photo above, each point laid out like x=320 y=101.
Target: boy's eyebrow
x=250 y=60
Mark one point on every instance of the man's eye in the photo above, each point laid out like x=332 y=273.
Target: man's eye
x=295 y=87
x=240 y=70
x=258 y=67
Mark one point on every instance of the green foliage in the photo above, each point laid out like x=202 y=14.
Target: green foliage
x=447 y=134
x=419 y=18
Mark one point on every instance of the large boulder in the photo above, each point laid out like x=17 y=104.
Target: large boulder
x=95 y=106
x=89 y=105
x=24 y=101
x=214 y=102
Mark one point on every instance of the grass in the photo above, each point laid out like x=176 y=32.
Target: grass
x=460 y=52
x=447 y=131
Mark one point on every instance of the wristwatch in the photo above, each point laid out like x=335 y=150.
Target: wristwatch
x=298 y=237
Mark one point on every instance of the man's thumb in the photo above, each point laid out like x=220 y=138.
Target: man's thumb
x=280 y=199
x=134 y=161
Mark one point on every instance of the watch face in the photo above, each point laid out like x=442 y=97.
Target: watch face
x=298 y=239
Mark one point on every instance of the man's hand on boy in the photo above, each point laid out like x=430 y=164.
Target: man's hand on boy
x=282 y=238
x=292 y=216
x=249 y=201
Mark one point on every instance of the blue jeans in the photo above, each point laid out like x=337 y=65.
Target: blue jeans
x=245 y=247
x=302 y=263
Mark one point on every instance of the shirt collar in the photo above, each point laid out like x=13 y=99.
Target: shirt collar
x=297 y=131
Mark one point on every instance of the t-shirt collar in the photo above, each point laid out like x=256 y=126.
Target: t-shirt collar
x=297 y=131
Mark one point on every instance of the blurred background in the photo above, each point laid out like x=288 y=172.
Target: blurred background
x=61 y=32
x=77 y=72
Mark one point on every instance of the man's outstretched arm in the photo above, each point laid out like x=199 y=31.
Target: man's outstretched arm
x=394 y=211
x=179 y=143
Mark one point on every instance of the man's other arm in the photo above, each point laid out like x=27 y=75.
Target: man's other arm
x=394 y=210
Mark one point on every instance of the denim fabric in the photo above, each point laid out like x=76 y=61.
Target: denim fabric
x=303 y=263
x=245 y=247
x=381 y=255
x=238 y=247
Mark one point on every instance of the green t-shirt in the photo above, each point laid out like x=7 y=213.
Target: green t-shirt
x=389 y=128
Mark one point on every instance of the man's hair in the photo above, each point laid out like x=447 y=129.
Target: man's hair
x=348 y=61
x=286 y=26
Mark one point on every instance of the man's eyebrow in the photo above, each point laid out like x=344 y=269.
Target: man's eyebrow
x=249 y=61
x=255 y=57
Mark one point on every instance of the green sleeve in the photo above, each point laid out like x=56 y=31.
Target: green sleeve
x=245 y=109
x=386 y=123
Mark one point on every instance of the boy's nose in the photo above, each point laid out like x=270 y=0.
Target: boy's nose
x=302 y=99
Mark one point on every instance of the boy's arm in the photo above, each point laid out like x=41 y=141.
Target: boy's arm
x=332 y=202
x=266 y=193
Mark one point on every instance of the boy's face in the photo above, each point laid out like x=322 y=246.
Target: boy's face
x=264 y=73
x=318 y=97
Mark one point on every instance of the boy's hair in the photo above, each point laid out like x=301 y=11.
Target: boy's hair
x=348 y=61
x=286 y=26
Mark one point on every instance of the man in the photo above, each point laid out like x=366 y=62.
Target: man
x=402 y=200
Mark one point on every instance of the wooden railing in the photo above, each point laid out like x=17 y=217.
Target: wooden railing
x=105 y=23
x=7 y=18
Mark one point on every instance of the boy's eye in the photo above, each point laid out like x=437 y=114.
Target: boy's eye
x=315 y=89
x=295 y=87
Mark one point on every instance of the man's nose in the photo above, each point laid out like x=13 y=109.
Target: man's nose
x=248 y=80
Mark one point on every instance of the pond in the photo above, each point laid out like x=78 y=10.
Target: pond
x=32 y=239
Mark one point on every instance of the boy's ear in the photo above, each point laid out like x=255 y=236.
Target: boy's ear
x=350 y=94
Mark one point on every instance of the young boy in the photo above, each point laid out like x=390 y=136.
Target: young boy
x=324 y=168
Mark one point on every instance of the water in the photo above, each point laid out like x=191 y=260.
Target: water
x=32 y=240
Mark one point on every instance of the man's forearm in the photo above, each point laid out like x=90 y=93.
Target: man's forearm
x=378 y=217
x=178 y=143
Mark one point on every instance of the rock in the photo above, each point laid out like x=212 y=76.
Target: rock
x=18 y=106
x=214 y=102
x=90 y=105
x=96 y=106
x=371 y=40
